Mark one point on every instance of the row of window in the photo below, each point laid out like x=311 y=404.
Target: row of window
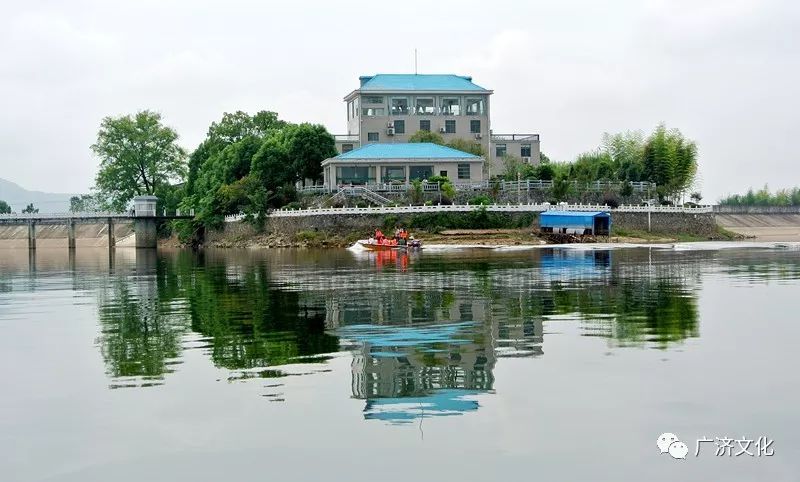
x=501 y=150
x=425 y=125
x=417 y=106
x=366 y=174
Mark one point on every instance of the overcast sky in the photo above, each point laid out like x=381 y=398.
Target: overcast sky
x=726 y=72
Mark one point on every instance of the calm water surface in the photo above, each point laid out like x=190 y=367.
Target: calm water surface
x=546 y=364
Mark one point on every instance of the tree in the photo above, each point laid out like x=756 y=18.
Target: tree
x=427 y=136
x=670 y=161
x=82 y=203
x=696 y=197
x=30 y=209
x=307 y=145
x=138 y=155
x=4 y=208
x=467 y=145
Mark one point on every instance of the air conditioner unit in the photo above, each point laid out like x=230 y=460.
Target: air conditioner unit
x=442 y=130
x=526 y=159
x=478 y=136
x=390 y=131
x=390 y=124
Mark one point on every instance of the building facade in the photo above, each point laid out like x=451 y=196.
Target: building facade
x=390 y=108
x=401 y=163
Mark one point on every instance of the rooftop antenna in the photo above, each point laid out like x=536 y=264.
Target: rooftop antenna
x=415 y=61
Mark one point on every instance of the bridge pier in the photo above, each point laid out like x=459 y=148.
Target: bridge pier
x=145 y=229
x=144 y=221
x=31 y=235
x=112 y=241
x=71 y=234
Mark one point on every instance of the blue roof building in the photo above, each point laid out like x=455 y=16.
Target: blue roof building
x=401 y=163
x=390 y=108
x=575 y=222
x=419 y=83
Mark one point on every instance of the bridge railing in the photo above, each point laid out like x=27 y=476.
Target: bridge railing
x=533 y=207
x=64 y=215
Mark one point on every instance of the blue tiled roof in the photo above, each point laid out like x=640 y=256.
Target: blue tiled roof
x=401 y=82
x=411 y=150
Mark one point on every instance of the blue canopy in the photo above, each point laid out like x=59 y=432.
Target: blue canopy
x=571 y=219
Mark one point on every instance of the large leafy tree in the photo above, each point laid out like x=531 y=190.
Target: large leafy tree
x=4 y=208
x=307 y=145
x=232 y=128
x=138 y=156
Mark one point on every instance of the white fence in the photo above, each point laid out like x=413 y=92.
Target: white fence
x=284 y=213
x=514 y=186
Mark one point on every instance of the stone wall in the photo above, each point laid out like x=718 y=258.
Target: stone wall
x=666 y=223
x=347 y=224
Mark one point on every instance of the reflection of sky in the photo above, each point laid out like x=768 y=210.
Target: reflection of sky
x=423 y=337
x=439 y=403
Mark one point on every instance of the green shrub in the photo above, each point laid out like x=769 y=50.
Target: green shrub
x=307 y=236
x=480 y=199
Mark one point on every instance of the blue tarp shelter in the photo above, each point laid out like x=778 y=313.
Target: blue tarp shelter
x=575 y=222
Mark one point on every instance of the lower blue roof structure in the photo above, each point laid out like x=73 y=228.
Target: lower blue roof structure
x=571 y=219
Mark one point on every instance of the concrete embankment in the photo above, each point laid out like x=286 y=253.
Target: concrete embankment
x=766 y=223
x=342 y=228
x=54 y=235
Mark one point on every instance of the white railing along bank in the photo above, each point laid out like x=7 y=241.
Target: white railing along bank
x=470 y=207
x=513 y=186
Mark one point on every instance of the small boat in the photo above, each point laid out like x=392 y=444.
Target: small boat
x=414 y=244
x=372 y=246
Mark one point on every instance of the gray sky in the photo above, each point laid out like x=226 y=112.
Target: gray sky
x=726 y=72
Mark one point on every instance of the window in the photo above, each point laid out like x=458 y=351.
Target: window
x=463 y=171
x=393 y=173
x=450 y=126
x=424 y=106
x=499 y=150
x=475 y=106
x=347 y=148
x=525 y=150
x=372 y=111
x=475 y=126
x=420 y=172
x=399 y=106
x=442 y=173
x=425 y=125
x=355 y=175
x=450 y=106
x=399 y=127
x=373 y=137
x=373 y=99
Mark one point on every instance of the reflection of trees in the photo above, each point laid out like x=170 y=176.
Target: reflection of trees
x=252 y=324
x=246 y=322
x=138 y=339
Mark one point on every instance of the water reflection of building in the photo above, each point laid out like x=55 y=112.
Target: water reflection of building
x=427 y=352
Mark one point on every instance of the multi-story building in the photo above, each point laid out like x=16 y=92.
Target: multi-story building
x=388 y=108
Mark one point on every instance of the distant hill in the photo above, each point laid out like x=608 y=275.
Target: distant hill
x=19 y=197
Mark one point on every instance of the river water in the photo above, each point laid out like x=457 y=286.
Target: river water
x=452 y=365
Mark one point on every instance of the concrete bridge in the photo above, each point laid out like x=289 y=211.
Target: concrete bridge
x=143 y=216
